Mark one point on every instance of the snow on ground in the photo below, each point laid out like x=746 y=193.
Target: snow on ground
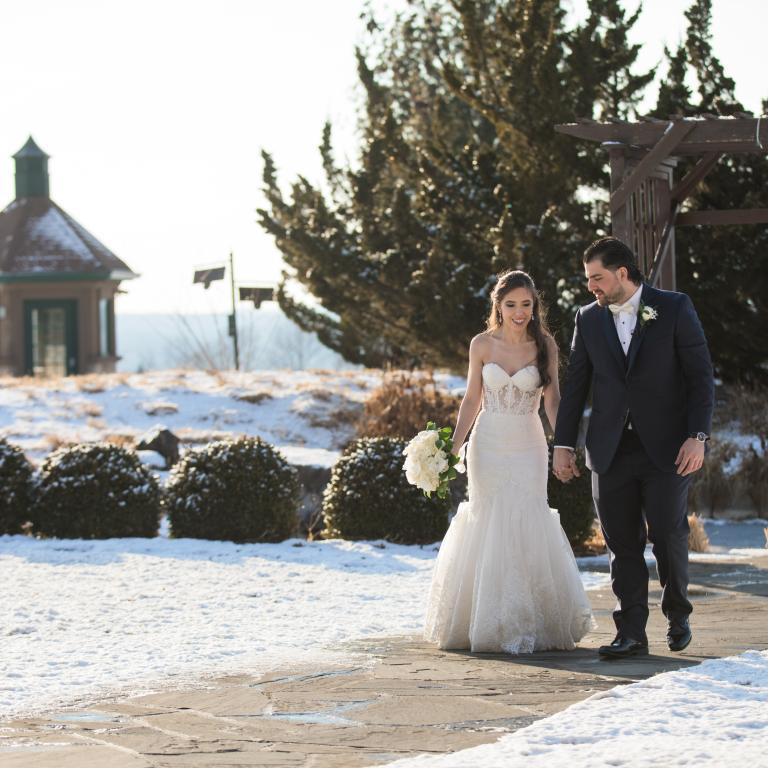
x=90 y=617
x=85 y=618
x=714 y=714
x=309 y=413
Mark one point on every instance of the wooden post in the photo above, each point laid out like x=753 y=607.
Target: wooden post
x=639 y=218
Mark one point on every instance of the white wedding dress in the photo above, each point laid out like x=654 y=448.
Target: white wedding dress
x=506 y=579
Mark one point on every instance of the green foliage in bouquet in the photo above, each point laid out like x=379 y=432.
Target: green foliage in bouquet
x=369 y=497
x=235 y=490
x=96 y=491
x=16 y=488
x=573 y=500
x=445 y=443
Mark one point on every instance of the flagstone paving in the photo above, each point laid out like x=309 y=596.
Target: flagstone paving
x=401 y=697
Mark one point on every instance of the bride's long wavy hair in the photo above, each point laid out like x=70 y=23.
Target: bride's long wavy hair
x=537 y=327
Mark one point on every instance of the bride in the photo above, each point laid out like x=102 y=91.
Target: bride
x=505 y=577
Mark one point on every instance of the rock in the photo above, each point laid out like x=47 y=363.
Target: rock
x=162 y=441
x=312 y=482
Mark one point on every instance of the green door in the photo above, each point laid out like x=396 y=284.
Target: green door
x=50 y=337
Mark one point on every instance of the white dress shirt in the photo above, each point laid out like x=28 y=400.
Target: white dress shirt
x=626 y=322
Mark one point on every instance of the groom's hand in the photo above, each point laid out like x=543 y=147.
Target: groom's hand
x=690 y=457
x=564 y=464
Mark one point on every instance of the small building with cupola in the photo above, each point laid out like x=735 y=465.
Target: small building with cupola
x=57 y=283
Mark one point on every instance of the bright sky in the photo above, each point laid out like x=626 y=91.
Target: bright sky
x=154 y=113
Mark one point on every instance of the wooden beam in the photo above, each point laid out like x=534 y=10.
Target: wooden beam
x=725 y=134
x=690 y=181
x=661 y=151
x=743 y=216
x=726 y=147
x=663 y=247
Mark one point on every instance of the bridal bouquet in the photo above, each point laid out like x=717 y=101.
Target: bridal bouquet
x=430 y=463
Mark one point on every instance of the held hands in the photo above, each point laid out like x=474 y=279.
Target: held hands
x=690 y=457
x=564 y=465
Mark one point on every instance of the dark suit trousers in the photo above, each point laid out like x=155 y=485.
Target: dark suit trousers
x=630 y=494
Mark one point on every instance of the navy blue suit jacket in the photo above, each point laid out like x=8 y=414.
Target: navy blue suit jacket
x=665 y=382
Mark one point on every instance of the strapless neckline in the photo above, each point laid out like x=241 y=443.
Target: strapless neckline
x=511 y=375
x=497 y=380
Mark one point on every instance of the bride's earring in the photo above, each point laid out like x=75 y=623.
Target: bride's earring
x=499 y=318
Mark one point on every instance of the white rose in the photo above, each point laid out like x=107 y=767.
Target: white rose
x=423 y=442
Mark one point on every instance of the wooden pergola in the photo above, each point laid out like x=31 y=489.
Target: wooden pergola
x=646 y=200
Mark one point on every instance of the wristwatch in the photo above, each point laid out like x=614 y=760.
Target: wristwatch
x=702 y=437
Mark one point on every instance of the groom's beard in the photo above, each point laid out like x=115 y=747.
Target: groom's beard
x=617 y=297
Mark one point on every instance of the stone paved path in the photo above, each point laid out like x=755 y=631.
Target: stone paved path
x=403 y=697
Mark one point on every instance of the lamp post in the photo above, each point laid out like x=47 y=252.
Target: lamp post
x=233 y=316
x=206 y=277
x=256 y=294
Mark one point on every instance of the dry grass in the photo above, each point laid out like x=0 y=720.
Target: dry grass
x=253 y=397
x=403 y=404
x=160 y=408
x=93 y=383
x=91 y=388
x=53 y=442
x=315 y=392
x=712 y=490
x=191 y=436
x=594 y=545
x=698 y=541
x=89 y=409
x=748 y=407
x=333 y=419
x=754 y=475
x=121 y=440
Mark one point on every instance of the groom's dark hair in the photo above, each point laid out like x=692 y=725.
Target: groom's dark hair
x=614 y=254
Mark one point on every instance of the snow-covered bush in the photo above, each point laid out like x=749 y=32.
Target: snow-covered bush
x=96 y=491
x=573 y=501
x=235 y=490
x=369 y=497
x=16 y=488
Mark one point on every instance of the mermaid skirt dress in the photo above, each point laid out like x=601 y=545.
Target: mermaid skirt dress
x=505 y=579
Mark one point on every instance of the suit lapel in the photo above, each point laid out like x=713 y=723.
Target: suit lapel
x=612 y=337
x=640 y=328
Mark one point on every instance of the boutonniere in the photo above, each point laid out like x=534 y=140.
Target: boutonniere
x=647 y=314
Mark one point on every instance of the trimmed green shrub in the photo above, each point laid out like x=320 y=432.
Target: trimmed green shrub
x=234 y=490
x=573 y=500
x=16 y=488
x=96 y=491
x=369 y=497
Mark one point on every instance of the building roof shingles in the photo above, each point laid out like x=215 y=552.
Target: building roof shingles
x=37 y=236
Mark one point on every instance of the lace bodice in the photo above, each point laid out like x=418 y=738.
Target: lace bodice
x=518 y=395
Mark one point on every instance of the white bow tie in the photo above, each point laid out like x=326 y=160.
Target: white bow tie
x=628 y=308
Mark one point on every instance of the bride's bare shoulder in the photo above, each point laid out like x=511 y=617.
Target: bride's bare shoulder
x=481 y=340
x=479 y=345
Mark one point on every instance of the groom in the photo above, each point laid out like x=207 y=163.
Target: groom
x=642 y=354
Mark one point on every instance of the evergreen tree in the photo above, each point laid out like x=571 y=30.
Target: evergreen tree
x=723 y=269
x=460 y=175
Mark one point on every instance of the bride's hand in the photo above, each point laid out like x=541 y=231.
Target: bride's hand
x=564 y=465
x=461 y=455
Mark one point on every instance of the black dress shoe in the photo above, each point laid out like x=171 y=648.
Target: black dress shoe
x=623 y=647
x=678 y=634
